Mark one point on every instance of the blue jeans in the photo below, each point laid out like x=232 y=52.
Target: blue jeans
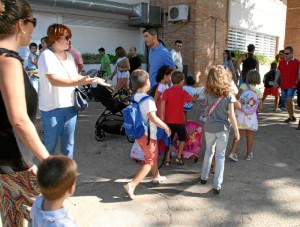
x=215 y=142
x=60 y=122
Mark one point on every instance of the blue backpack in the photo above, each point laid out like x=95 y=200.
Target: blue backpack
x=134 y=124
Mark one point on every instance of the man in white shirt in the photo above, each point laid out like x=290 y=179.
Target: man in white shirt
x=176 y=55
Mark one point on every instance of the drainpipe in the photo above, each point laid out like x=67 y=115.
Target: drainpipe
x=96 y=5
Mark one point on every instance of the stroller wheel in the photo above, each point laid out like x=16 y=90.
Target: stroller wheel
x=130 y=140
x=99 y=135
x=195 y=159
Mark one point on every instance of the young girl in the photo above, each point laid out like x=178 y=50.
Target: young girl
x=247 y=122
x=163 y=77
x=217 y=125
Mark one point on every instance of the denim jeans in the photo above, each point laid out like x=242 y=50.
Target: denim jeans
x=60 y=123
x=215 y=142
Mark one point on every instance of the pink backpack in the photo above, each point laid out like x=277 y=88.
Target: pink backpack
x=249 y=100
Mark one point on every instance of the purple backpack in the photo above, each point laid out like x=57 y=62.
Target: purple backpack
x=249 y=101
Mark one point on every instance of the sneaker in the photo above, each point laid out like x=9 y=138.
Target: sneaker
x=249 y=157
x=203 y=181
x=233 y=157
x=158 y=180
x=277 y=110
x=216 y=191
x=293 y=119
x=129 y=191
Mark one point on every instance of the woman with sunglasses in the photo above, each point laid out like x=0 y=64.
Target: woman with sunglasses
x=58 y=79
x=19 y=140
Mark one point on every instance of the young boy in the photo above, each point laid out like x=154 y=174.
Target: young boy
x=32 y=63
x=141 y=82
x=269 y=87
x=173 y=101
x=57 y=180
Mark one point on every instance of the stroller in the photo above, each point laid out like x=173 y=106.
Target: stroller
x=111 y=119
x=192 y=147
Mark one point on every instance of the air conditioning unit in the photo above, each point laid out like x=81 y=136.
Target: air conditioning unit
x=178 y=13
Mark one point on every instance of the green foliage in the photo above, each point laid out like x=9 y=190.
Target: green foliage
x=89 y=58
x=263 y=59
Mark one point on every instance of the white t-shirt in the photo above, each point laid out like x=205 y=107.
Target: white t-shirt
x=145 y=107
x=177 y=59
x=53 y=97
x=161 y=88
x=191 y=90
x=123 y=74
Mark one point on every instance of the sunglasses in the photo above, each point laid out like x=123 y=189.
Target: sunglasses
x=286 y=53
x=66 y=37
x=33 y=21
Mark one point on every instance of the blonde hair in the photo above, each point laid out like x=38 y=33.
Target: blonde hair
x=218 y=81
x=253 y=77
x=138 y=78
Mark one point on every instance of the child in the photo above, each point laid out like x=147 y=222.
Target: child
x=32 y=66
x=190 y=82
x=163 y=78
x=172 y=104
x=56 y=178
x=217 y=125
x=269 y=87
x=247 y=122
x=141 y=82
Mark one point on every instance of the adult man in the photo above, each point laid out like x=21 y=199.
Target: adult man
x=134 y=61
x=105 y=63
x=77 y=58
x=176 y=55
x=288 y=70
x=249 y=61
x=158 y=55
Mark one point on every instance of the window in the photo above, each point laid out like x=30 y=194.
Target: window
x=239 y=40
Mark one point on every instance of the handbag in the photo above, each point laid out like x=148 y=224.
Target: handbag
x=136 y=152
x=80 y=100
x=204 y=116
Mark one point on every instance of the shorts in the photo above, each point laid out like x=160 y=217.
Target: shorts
x=288 y=93
x=179 y=129
x=123 y=75
x=274 y=91
x=150 y=151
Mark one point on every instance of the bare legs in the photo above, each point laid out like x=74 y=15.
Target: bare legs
x=249 y=137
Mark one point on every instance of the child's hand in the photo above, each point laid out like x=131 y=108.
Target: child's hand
x=168 y=131
x=236 y=136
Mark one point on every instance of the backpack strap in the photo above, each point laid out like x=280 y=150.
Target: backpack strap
x=214 y=106
x=148 y=122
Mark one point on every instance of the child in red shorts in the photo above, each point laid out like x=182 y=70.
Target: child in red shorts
x=141 y=82
x=269 y=87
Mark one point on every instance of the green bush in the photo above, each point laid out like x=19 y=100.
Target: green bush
x=263 y=59
x=89 y=58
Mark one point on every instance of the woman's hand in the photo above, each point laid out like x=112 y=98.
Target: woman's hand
x=101 y=82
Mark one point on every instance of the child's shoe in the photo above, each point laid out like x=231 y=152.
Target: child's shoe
x=277 y=110
x=249 y=157
x=233 y=157
x=158 y=180
x=129 y=191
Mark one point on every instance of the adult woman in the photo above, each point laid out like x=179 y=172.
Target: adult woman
x=19 y=140
x=58 y=78
x=122 y=70
x=227 y=62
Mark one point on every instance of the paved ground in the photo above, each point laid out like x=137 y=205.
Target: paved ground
x=261 y=192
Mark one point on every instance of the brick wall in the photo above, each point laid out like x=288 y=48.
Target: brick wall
x=292 y=31
x=198 y=34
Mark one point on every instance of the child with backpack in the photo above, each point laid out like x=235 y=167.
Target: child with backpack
x=173 y=101
x=269 y=87
x=141 y=82
x=247 y=119
x=163 y=78
x=220 y=103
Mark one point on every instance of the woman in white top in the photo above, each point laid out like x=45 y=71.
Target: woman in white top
x=122 y=70
x=58 y=79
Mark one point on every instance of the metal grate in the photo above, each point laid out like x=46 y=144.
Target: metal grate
x=239 y=40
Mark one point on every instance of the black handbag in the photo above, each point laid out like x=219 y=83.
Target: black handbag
x=80 y=100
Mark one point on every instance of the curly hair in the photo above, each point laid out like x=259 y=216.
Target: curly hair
x=218 y=81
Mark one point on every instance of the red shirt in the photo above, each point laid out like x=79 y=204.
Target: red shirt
x=289 y=73
x=175 y=98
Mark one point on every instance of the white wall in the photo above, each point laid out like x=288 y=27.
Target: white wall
x=264 y=16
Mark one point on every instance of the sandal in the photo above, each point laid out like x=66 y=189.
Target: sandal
x=167 y=164
x=179 y=161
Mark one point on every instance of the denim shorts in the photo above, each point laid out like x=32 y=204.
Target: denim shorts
x=288 y=93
